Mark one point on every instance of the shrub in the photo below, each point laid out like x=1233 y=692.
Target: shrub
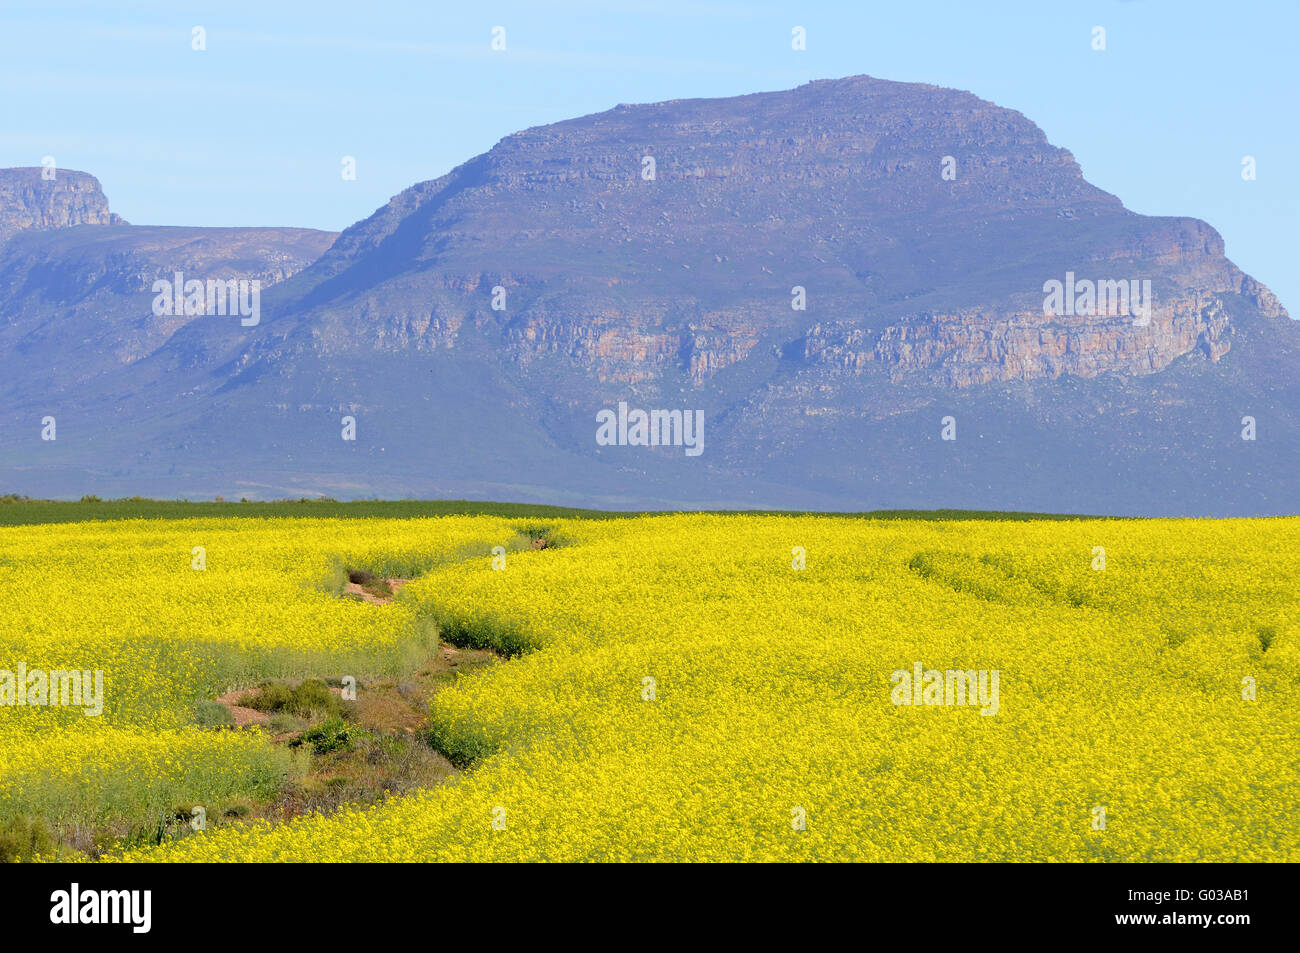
x=1266 y=633
x=23 y=838
x=283 y=723
x=310 y=697
x=211 y=714
x=332 y=735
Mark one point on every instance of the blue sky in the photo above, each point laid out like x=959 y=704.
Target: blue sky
x=252 y=130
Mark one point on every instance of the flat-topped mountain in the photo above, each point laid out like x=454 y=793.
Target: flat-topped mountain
x=836 y=187
x=31 y=199
x=826 y=273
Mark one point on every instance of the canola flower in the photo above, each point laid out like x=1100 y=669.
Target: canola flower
x=679 y=690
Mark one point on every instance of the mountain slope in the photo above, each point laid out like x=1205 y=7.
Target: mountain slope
x=78 y=301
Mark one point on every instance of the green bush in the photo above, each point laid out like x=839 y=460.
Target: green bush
x=22 y=838
x=210 y=714
x=332 y=735
x=1266 y=633
x=283 y=723
x=310 y=697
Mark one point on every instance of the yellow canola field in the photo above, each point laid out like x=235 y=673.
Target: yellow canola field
x=125 y=599
x=680 y=691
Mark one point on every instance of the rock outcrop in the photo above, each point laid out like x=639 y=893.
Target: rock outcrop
x=55 y=198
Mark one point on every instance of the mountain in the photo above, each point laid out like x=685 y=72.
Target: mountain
x=825 y=274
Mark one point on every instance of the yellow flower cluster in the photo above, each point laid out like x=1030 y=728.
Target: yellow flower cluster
x=705 y=687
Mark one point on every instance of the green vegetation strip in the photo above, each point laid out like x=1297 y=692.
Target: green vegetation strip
x=22 y=511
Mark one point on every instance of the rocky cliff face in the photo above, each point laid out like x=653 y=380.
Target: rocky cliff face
x=970 y=347
x=29 y=200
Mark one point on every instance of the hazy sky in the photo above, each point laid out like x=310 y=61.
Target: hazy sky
x=252 y=130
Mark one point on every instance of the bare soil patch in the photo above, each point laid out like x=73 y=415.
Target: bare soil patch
x=243 y=717
x=375 y=590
